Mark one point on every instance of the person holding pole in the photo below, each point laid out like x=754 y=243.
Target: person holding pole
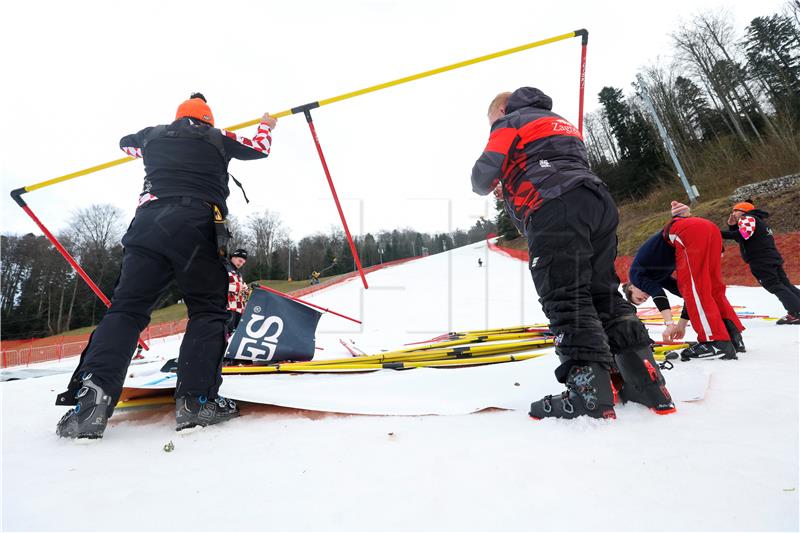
x=539 y=162
x=178 y=233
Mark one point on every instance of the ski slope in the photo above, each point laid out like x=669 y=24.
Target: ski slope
x=728 y=462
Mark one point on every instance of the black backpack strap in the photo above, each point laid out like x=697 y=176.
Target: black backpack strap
x=239 y=184
x=214 y=137
x=154 y=133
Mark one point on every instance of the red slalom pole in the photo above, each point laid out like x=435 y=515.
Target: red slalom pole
x=336 y=198
x=584 y=42
x=289 y=296
x=71 y=260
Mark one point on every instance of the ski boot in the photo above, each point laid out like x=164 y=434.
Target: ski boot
x=201 y=411
x=736 y=336
x=791 y=319
x=710 y=350
x=88 y=419
x=643 y=382
x=589 y=392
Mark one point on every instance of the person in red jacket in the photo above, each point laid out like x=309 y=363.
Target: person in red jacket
x=538 y=161
x=698 y=267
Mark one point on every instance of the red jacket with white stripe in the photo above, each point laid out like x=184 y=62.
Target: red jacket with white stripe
x=190 y=158
x=536 y=154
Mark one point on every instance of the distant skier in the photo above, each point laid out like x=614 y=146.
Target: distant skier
x=177 y=234
x=748 y=226
x=570 y=220
x=480 y=262
x=238 y=291
x=651 y=274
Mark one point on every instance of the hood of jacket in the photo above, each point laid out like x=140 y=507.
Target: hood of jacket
x=528 y=97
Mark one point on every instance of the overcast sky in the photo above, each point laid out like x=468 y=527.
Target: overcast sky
x=77 y=76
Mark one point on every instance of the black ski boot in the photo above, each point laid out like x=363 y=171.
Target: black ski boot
x=191 y=412
x=88 y=419
x=791 y=319
x=710 y=350
x=589 y=392
x=643 y=382
x=736 y=336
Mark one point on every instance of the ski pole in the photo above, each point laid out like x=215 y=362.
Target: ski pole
x=289 y=296
x=584 y=34
x=66 y=255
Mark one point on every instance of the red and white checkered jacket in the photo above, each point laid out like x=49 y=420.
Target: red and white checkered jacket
x=238 y=291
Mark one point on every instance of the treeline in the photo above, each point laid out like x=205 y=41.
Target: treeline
x=42 y=295
x=272 y=255
x=730 y=103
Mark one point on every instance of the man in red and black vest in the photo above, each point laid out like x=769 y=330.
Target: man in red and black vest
x=175 y=236
x=748 y=226
x=538 y=160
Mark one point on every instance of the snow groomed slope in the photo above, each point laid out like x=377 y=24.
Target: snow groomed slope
x=727 y=462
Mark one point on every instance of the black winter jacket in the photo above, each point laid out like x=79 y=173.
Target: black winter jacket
x=535 y=153
x=190 y=158
x=755 y=239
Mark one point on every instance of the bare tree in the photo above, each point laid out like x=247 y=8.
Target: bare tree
x=266 y=231
x=97 y=227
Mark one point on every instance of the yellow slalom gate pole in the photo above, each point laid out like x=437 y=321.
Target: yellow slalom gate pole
x=367 y=367
x=302 y=109
x=466 y=354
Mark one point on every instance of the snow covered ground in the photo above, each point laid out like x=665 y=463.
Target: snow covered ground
x=729 y=462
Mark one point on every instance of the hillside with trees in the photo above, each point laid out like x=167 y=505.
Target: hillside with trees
x=729 y=101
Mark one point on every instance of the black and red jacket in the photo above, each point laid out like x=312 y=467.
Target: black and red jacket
x=536 y=154
x=756 y=243
x=190 y=158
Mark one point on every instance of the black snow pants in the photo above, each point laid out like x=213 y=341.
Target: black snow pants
x=572 y=244
x=169 y=239
x=773 y=278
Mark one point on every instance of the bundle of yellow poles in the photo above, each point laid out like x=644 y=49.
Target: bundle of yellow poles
x=458 y=349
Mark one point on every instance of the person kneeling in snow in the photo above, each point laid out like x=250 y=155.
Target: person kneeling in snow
x=539 y=160
x=747 y=226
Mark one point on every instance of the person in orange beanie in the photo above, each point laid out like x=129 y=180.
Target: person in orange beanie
x=748 y=226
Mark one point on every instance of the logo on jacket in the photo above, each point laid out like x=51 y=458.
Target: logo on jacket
x=564 y=127
x=544 y=163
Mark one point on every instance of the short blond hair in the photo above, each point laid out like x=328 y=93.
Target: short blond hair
x=499 y=101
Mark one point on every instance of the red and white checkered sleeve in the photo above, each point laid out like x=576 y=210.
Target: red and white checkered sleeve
x=132 y=151
x=747 y=227
x=262 y=142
